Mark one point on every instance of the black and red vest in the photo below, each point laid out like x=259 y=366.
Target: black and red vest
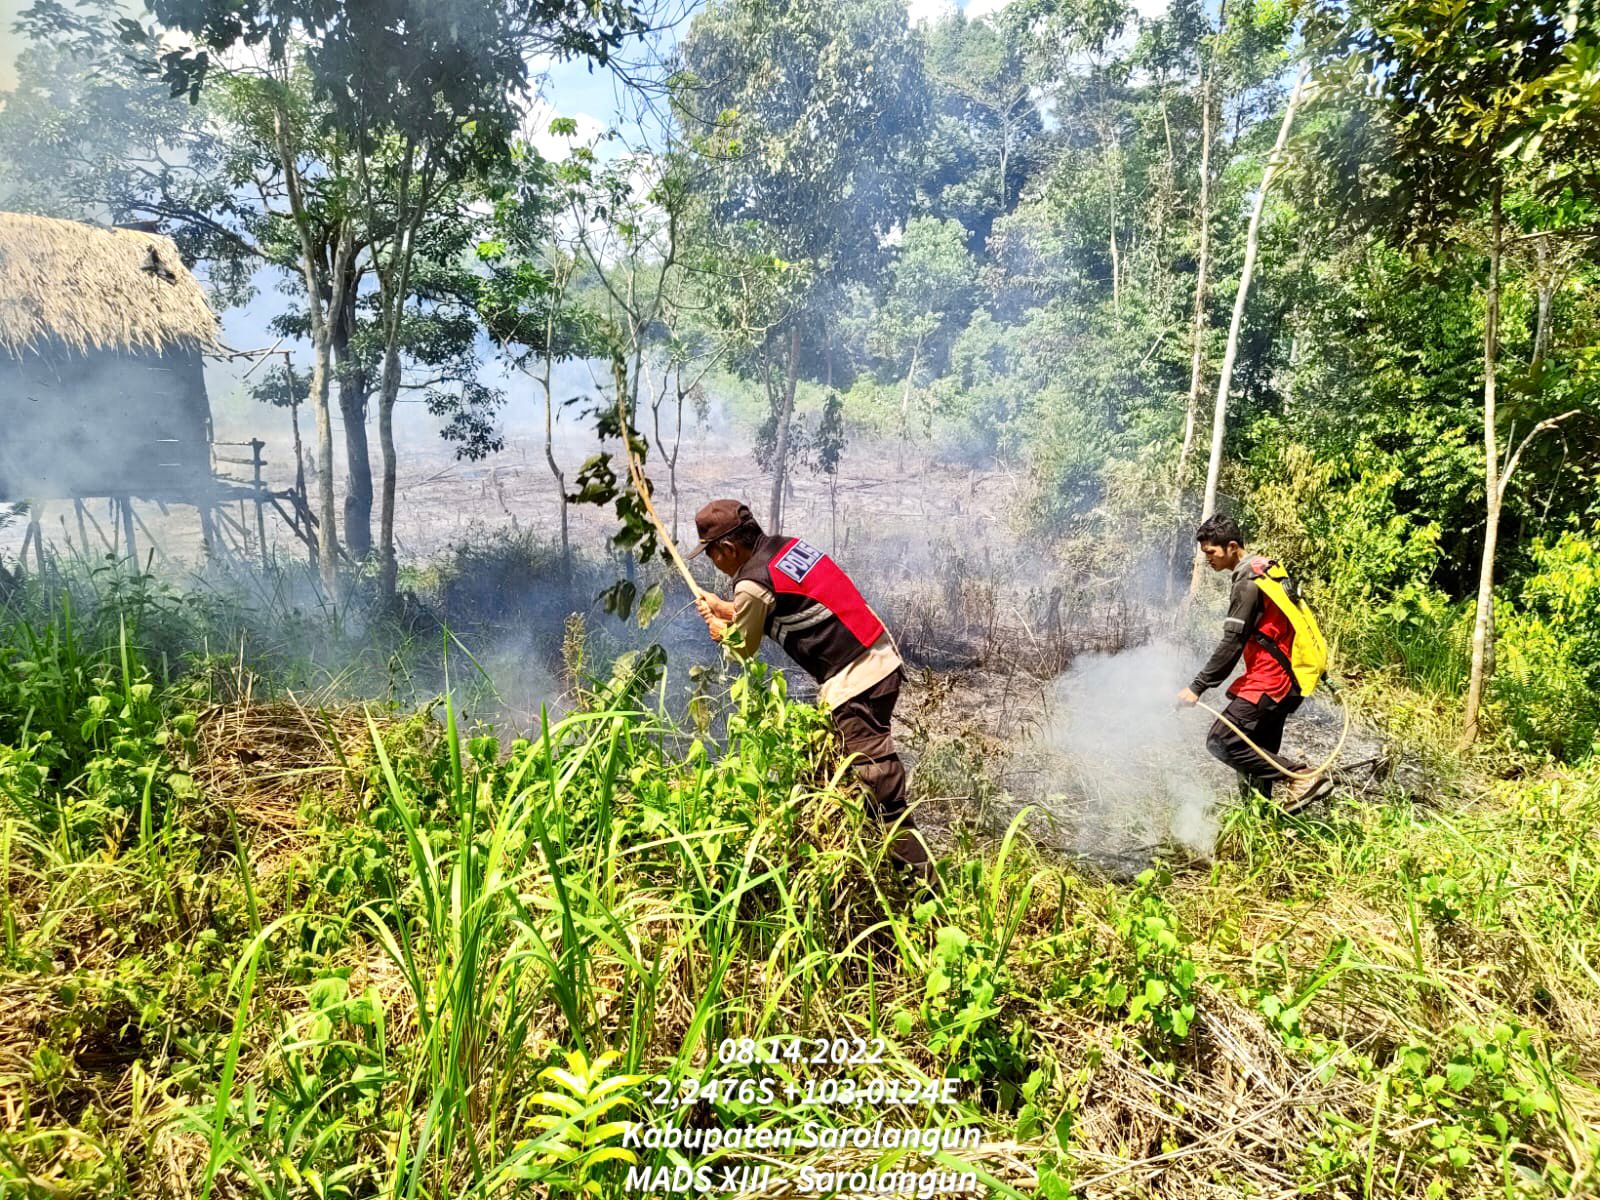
x=819 y=617
x=1267 y=647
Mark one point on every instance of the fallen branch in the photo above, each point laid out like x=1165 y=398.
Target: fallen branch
x=642 y=486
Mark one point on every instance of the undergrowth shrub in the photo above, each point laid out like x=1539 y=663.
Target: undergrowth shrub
x=1546 y=685
x=1142 y=976
x=88 y=756
x=1342 y=526
x=962 y=1011
x=1480 y=1094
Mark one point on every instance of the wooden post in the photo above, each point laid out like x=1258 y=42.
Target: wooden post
x=38 y=540
x=130 y=546
x=208 y=530
x=107 y=542
x=34 y=536
x=83 y=533
x=237 y=550
x=256 y=462
x=294 y=422
x=155 y=545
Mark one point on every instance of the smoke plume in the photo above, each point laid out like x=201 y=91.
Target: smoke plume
x=1118 y=765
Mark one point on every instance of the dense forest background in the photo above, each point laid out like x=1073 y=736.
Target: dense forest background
x=1281 y=259
x=1329 y=267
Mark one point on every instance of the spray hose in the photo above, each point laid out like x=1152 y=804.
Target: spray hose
x=1305 y=775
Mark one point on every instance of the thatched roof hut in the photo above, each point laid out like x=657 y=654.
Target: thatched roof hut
x=67 y=284
x=102 y=388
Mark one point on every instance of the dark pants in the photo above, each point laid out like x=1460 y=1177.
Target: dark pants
x=1263 y=721
x=862 y=723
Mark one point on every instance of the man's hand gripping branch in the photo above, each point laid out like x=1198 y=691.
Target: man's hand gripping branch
x=716 y=613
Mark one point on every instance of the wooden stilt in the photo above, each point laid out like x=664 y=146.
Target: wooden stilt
x=155 y=546
x=208 y=531
x=130 y=547
x=38 y=536
x=32 y=536
x=83 y=534
x=108 y=543
x=256 y=462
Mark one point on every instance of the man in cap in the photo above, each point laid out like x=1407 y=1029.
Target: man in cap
x=786 y=589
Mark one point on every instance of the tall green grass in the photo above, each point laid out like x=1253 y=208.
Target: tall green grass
x=445 y=964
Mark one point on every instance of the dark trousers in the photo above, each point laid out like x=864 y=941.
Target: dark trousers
x=1263 y=721
x=863 y=725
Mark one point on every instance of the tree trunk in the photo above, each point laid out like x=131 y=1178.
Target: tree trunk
x=1546 y=286
x=358 y=463
x=905 y=395
x=1166 y=193
x=394 y=282
x=1198 y=324
x=677 y=446
x=833 y=511
x=1481 y=625
x=555 y=467
x=390 y=392
x=561 y=275
x=780 y=449
x=1219 y=417
x=1197 y=331
x=353 y=408
x=1005 y=147
x=1116 y=272
x=321 y=341
x=327 y=541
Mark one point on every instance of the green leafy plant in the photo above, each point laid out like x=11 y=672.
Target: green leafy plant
x=1143 y=978
x=580 y=1129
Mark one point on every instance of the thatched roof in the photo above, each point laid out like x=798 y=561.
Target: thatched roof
x=83 y=287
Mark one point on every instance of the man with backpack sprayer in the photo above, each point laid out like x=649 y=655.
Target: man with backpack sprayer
x=786 y=589
x=1285 y=657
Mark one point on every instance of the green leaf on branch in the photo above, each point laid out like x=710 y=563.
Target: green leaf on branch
x=650 y=604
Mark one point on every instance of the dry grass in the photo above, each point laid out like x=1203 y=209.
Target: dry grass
x=267 y=761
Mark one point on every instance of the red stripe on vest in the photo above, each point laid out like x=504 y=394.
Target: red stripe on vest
x=822 y=580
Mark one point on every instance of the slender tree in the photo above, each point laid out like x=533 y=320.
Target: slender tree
x=829 y=110
x=1461 y=92
x=1219 y=416
x=1202 y=279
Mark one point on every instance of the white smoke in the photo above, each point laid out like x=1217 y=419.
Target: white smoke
x=1118 y=764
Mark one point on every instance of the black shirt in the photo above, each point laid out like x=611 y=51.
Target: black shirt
x=1244 y=609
